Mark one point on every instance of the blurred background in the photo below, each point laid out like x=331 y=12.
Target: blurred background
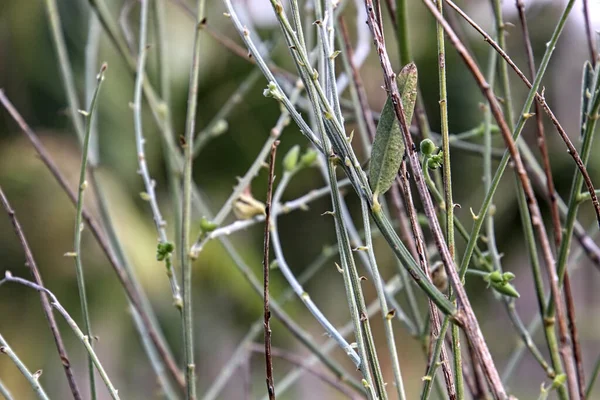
x=225 y=305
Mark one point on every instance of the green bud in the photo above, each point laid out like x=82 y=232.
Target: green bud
x=428 y=147
x=506 y=289
x=559 y=381
x=207 y=226
x=290 y=161
x=508 y=276
x=308 y=158
x=163 y=250
x=220 y=128
x=494 y=277
x=435 y=161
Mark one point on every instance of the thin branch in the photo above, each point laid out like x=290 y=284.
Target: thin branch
x=589 y=33
x=466 y=316
x=532 y=203
x=554 y=211
x=85 y=340
x=31 y=264
x=302 y=363
x=33 y=379
x=165 y=247
x=89 y=115
x=186 y=256
x=542 y=101
x=266 y=268
x=96 y=230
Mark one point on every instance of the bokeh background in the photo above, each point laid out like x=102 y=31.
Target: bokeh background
x=225 y=305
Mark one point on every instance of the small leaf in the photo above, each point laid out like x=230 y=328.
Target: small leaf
x=388 y=146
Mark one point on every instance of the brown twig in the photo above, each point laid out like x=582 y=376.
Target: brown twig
x=536 y=216
x=542 y=101
x=31 y=264
x=266 y=266
x=466 y=317
x=96 y=230
x=302 y=363
x=403 y=182
x=554 y=212
x=589 y=33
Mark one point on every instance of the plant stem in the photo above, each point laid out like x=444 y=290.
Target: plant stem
x=79 y=226
x=542 y=101
x=266 y=267
x=149 y=183
x=31 y=264
x=33 y=379
x=554 y=211
x=4 y=391
x=447 y=178
x=186 y=214
x=71 y=322
x=114 y=256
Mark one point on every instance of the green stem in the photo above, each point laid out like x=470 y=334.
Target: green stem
x=85 y=340
x=33 y=379
x=593 y=377
x=186 y=214
x=79 y=226
x=447 y=179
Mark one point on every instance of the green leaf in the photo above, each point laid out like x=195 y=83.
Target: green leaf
x=388 y=146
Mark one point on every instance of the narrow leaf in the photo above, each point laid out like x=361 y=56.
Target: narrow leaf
x=388 y=146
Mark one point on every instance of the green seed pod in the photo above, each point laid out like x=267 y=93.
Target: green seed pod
x=428 y=147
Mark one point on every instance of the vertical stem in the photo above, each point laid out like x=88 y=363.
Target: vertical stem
x=589 y=33
x=48 y=312
x=79 y=227
x=554 y=212
x=449 y=202
x=266 y=267
x=186 y=213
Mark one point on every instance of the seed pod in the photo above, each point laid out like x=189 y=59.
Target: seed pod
x=388 y=146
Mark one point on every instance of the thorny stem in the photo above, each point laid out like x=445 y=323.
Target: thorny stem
x=149 y=183
x=31 y=264
x=89 y=115
x=466 y=317
x=554 y=212
x=33 y=379
x=85 y=340
x=447 y=179
x=542 y=101
x=132 y=291
x=186 y=209
x=266 y=267
x=530 y=196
